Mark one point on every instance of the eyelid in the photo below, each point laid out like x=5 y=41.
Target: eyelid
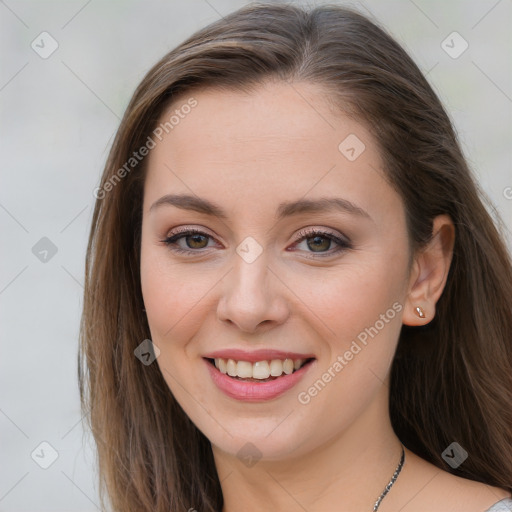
x=188 y=229
x=343 y=242
x=305 y=232
x=183 y=232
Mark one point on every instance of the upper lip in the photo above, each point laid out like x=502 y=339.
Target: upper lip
x=255 y=355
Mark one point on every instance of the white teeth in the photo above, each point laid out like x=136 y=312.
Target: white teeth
x=288 y=366
x=231 y=368
x=276 y=367
x=259 y=370
x=244 y=369
x=222 y=365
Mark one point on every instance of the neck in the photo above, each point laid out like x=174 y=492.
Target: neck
x=349 y=470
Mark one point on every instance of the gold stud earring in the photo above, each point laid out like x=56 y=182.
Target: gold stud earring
x=420 y=312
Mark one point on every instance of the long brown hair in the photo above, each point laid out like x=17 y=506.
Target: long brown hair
x=450 y=381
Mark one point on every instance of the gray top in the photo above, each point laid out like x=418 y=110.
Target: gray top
x=502 y=506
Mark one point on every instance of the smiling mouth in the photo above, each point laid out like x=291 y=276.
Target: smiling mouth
x=260 y=371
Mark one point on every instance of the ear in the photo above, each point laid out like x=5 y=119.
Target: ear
x=429 y=273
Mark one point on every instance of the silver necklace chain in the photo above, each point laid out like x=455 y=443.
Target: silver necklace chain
x=391 y=482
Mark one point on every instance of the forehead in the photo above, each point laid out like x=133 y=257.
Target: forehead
x=277 y=142
x=285 y=118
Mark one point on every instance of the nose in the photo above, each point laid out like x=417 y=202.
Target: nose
x=253 y=297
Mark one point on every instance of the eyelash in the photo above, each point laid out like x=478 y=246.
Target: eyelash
x=170 y=241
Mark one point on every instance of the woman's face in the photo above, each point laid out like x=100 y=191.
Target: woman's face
x=304 y=257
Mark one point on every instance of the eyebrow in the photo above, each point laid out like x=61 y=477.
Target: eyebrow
x=285 y=209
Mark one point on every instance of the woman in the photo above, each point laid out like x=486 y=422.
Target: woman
x=295 y=298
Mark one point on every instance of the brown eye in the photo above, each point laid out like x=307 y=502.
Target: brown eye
x=197 y=241
x=319 y=243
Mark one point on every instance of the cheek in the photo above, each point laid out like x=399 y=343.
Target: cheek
x=169 y=291
x=354 y=295
x=178 y=299
x=360 y=306
x=155 y=286
x=174 y=299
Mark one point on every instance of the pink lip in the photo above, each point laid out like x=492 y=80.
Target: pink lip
x=256 y=355
x=256 y=391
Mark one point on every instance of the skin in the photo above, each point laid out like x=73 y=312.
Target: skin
x=248 y=152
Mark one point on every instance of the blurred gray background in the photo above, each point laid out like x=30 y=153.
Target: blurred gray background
x=60 y=107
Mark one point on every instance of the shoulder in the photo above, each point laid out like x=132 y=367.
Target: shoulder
x=427 y=487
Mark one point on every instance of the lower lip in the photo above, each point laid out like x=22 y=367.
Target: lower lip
x=255 y=391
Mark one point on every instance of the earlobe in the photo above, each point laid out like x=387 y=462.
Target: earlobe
x=420 y=312
x=415 y=315
x=429 y=273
